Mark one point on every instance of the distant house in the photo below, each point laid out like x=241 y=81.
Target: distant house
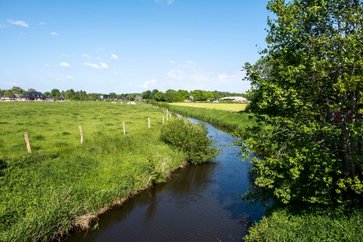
x=33 y=96
x=236 y=99
x=138 y=98
x=105 y=97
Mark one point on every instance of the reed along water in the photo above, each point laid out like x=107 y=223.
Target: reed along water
x=198 y=203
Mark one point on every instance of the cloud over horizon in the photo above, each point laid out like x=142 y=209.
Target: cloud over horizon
x=64 y=64
x=20 y=23
x=99 y=66
x=114 y=56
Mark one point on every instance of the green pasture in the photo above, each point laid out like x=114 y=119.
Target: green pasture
x=232 y=107
x=63 y=183
x=228 y=120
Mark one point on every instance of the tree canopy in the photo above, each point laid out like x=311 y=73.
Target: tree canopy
x=307 y=93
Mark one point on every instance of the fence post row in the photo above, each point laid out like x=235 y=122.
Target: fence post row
x=27 y=142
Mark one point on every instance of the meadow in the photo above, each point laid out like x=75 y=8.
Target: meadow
x=63 y=185
x=227 y=119
x=231 y=107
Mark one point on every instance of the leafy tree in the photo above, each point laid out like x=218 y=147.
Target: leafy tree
x=17 y=90
x=55 y=93
x=160 y=97
x=184 y=94
x=307 y=94
x=113 y=95
x=70 y=94
x=200 y=95
x=147 y=95
x=31 y=90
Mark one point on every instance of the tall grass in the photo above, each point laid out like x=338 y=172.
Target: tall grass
x=319 y=225
x=231 y=107
x=227 y=120
x=63 y=184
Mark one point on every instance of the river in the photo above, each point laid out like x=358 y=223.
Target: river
x=198 y=203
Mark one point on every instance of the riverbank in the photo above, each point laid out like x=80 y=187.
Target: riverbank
x=231 y=121
x=283 y=223
x=64 y=185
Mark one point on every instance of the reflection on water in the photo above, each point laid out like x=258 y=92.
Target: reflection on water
x=199 y=203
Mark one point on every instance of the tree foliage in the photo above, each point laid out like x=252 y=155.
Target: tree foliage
x=307 y=93
x=190 y=138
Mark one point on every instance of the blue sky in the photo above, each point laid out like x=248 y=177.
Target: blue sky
x=129 y=45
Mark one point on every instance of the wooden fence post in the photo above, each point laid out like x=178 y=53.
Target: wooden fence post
x=167 y=115
x=148 y=122
x=163 y=120
x=124 y=128
x=81 y=134
x=27 y=143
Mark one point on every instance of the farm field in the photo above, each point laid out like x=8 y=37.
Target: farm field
x=64 y=184
x=231 y=121
x=232 y=107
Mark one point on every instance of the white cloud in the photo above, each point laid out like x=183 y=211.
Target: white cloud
x=64 y=64
x=148 y=83
x=191 y=75
x=53 y=33
x=114 y=56
x=188 y=71
x=20 y=23
x=101 y=65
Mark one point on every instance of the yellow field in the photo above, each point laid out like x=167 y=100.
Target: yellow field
x=233 y=107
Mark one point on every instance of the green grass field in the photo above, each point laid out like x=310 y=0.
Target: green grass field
x=231 y=121
x=63 y=184
x=232 y=107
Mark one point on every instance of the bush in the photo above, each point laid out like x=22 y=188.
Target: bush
x=190 y=138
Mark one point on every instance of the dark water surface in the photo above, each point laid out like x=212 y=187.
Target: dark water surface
x=198 y=203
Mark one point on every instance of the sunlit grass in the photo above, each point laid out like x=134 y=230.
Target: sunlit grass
x=232 y=107
x=47 y=192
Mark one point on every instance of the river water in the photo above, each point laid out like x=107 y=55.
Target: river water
x=198 y=203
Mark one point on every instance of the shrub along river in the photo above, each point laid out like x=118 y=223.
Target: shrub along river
x=198 y=203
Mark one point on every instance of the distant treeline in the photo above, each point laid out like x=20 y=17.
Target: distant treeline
x=167 y=96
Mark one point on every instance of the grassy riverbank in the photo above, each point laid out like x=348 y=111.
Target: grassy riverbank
x=231 y=121
x=283 y=224
x=232 y=107
x=329 y=224
x=64 y=184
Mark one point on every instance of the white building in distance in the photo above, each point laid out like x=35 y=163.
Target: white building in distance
x=236 y=99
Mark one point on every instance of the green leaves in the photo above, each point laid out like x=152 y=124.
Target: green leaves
x=190 y=138
x=307 y=95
